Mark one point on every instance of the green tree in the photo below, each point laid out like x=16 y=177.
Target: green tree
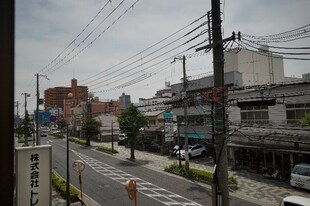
x=91 y=127
x=130 y=122
x=62 y=124
x=26 y=127
x=305 y=121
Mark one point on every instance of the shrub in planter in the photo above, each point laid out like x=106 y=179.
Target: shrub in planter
x=61 y=188
x=106 y=149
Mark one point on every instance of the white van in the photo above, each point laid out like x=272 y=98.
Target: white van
x=300 y=176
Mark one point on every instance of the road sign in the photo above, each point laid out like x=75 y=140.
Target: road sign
x=60 y=118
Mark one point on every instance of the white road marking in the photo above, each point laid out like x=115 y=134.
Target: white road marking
x=153 y=191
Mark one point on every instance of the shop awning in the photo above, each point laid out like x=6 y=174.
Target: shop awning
x=195 y=136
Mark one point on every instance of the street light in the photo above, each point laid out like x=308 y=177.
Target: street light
x=70 y=95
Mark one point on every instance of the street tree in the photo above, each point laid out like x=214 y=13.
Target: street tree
x=305 y=121
x=91 y=127
x=26 y=127
x=130 y=122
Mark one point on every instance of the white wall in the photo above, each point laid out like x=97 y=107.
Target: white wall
x=256 y=69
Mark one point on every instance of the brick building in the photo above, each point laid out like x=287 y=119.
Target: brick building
x=54 y=97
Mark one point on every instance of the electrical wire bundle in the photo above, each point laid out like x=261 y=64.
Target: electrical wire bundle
x=266 y=45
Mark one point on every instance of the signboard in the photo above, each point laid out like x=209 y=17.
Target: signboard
x=33 y=175
x=44 y=118
x=168 y=127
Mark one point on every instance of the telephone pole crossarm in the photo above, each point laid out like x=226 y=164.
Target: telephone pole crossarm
x=211 y=45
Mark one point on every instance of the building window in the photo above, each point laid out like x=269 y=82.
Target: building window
x=296 y=112
x=254 y=114
x=152 y=122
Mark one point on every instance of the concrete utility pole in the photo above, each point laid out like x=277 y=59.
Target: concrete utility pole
x=26 y=95
x=17 y=105
x=185 y=116
x=218 y=96
x=37 y=108
x=185 y=113
x=221 y=173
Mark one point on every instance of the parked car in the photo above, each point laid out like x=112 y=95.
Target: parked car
x=193 y=151
x=152 y=147
x=122 y=142
x=209 y=147
x=44 y=131
x=295 y=201
x=300 y=176
x=175 y=150
x=122 y=136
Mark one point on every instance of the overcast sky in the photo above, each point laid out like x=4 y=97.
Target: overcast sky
x=90 y=40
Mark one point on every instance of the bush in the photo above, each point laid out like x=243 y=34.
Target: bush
x=106 y=149
x=78 y=141
x=21 y=140
x=196 y=174
x=60 y=186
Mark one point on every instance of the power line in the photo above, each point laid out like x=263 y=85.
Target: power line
x=74 y=40
x=64 y=61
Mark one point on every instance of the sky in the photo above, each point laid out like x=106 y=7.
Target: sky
x=128 y=46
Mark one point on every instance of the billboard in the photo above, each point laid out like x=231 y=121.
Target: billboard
x=33 y=175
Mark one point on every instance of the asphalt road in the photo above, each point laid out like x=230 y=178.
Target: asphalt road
x=104 y=177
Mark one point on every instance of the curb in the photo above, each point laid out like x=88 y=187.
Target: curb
x=86 y=199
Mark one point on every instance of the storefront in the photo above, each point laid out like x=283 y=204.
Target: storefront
x=256 y=158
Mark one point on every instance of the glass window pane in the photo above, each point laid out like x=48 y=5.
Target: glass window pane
x=290 y=114
x=258 y=115
x=300 y=114
x=250 y=115
x=244 y=116
x=265 y=115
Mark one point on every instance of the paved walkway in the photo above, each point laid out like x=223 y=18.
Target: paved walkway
x=252 y=187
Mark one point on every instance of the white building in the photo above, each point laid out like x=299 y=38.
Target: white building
x=256 y=67
x=156 y=103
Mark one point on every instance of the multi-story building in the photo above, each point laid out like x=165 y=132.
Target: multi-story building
x=257 y=68
x=54 y=97
x=156 y=103
x=124 y=100
x=262 y=129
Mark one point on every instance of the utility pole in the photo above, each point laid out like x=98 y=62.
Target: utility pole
x=17 y=105
x=220 y=191
x=184 y=89
x=221 y=173
x=26 y=95
x=185 y=116
x=38 y=142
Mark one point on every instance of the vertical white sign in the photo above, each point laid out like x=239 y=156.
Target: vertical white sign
x=33 y=175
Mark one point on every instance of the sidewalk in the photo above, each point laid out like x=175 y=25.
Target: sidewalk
x=252 y=187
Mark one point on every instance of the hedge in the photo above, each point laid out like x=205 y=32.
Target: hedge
x=106 y=149
x=196 y=174
x=61 y=187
